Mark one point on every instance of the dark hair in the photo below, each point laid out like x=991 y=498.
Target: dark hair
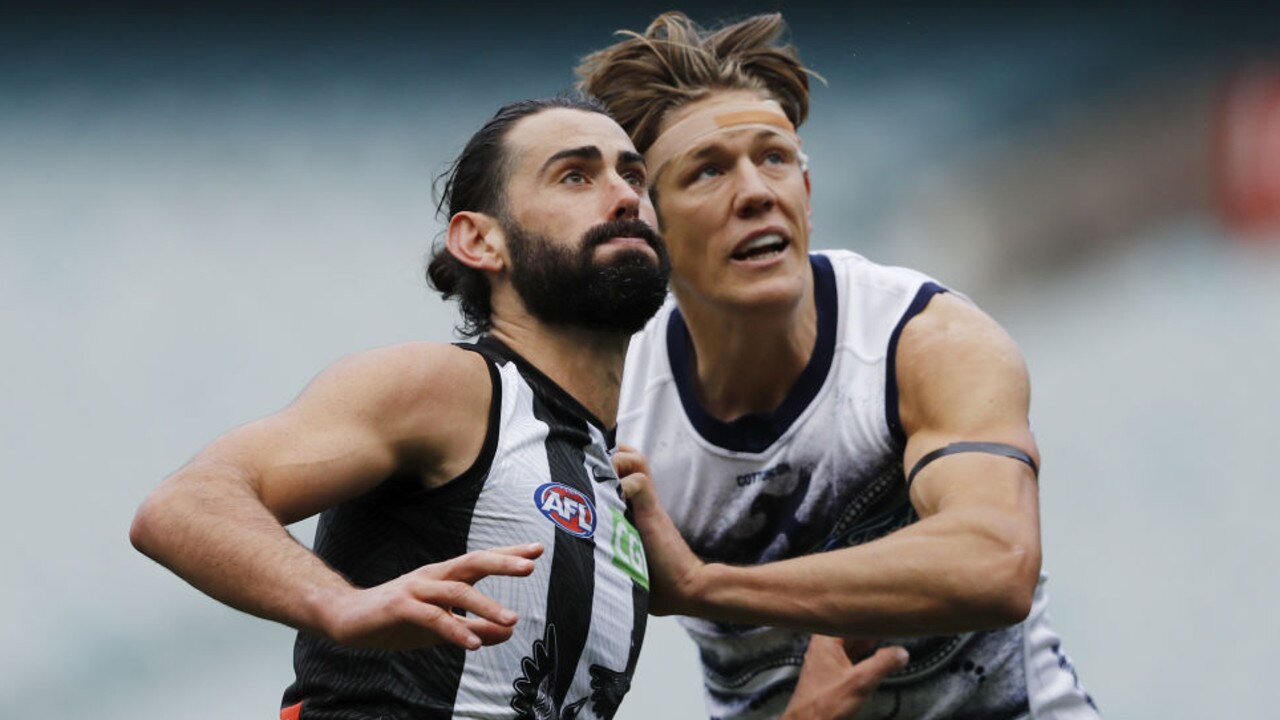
x=476 y=182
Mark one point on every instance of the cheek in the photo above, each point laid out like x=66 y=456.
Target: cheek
x=683 y=261
x=648 y=214
x=695 y=264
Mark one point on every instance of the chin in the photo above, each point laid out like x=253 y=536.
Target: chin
x=780 y=294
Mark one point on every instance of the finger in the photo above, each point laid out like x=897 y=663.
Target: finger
x=438 y=623
x=629 y=461
x=489 y=633
x=637 y=488
x=886 y=661
x=478 y=564
x=528 y=550
x=462 y=596
x=631 y=485
x=825 y=645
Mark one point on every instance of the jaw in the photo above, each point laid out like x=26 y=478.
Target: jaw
x=747 y=290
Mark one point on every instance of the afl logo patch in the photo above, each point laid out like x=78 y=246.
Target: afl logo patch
x=569 y=509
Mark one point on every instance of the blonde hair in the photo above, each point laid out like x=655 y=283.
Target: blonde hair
x=676 y=61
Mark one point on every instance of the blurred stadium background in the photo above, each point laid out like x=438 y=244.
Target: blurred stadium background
x=201 y=206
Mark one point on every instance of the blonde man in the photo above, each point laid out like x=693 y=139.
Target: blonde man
x=844 y=446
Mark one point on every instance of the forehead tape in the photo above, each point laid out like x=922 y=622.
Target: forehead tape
x=679 y=137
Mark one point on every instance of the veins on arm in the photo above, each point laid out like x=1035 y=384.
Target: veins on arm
x=962 y=378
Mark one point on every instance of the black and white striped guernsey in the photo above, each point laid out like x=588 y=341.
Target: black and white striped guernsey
x=543 y=475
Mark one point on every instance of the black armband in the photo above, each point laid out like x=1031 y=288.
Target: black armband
x=989 y=448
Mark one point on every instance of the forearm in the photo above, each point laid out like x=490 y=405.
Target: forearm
x=962 y=571
x=208 y=526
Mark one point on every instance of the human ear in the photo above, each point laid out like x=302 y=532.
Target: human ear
x=477 y=241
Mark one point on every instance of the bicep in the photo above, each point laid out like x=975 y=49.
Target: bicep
x=313 y=454
x=353 y=426
x=963 y=380
x=299 y=463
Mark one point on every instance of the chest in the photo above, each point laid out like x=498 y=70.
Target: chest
x=833 y=478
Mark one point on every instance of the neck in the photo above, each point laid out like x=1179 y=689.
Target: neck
x=747 y=362
x=585 y=364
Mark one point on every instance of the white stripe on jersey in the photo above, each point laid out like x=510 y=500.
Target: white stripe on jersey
x=506 y=513
x=500 y=519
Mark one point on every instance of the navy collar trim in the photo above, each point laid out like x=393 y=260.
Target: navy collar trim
x=756 y=432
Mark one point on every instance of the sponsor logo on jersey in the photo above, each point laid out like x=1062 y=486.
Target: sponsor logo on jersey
x=569 y=509
x=628 y=549
x=763 y=475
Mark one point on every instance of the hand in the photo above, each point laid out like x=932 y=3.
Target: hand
x=416 y=609
x=832 y=686
x=673 y=567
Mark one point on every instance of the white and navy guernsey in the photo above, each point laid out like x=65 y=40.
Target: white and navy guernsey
x=822 y=471
x=544 y=475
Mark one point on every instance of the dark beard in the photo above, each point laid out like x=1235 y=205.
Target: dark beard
x=561 y=287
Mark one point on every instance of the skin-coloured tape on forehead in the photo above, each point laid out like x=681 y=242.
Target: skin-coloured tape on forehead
x=681 y=136
x=753 y=117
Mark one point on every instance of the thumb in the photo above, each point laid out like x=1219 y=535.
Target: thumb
x=886 y=661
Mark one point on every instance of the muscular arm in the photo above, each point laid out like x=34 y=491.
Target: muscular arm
x=972 y=560
x=218 y=522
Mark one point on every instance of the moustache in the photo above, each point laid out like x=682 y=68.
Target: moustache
x=603 y=233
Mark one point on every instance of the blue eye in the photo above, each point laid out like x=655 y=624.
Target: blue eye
x=573 y=177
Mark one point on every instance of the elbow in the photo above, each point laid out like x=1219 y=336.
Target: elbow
x=1010 y=586
x=142 y=531
x=151 y=522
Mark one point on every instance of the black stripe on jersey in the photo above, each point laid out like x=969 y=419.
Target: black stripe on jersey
x=917 y=306
x=639 y=619
x=609 y=686
x=394 y=529
x=573 y=566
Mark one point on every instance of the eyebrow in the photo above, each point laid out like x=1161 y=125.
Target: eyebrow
x=591 y=152
x=630 y=158
x=586 y=152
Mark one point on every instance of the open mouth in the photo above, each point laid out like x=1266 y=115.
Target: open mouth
x=761 y=247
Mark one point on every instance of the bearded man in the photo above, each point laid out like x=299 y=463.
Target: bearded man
x=424 y=457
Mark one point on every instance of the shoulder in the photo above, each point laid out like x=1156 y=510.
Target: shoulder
x=876 y=291
x=873 y=301
x=849 y=266
x=398 y=386
x=406 y=371
x=951 y=325
x=956 y=365
x=428 y=402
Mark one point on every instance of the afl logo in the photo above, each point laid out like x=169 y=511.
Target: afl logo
x=569 y=509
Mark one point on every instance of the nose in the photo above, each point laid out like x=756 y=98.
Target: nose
x=625 y=200
x=754 y=194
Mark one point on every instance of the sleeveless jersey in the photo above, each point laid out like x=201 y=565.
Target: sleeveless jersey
x=822 y=471
x=543 y=475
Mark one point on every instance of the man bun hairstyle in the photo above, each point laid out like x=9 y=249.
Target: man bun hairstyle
x=476 y=181
x=675 y=61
